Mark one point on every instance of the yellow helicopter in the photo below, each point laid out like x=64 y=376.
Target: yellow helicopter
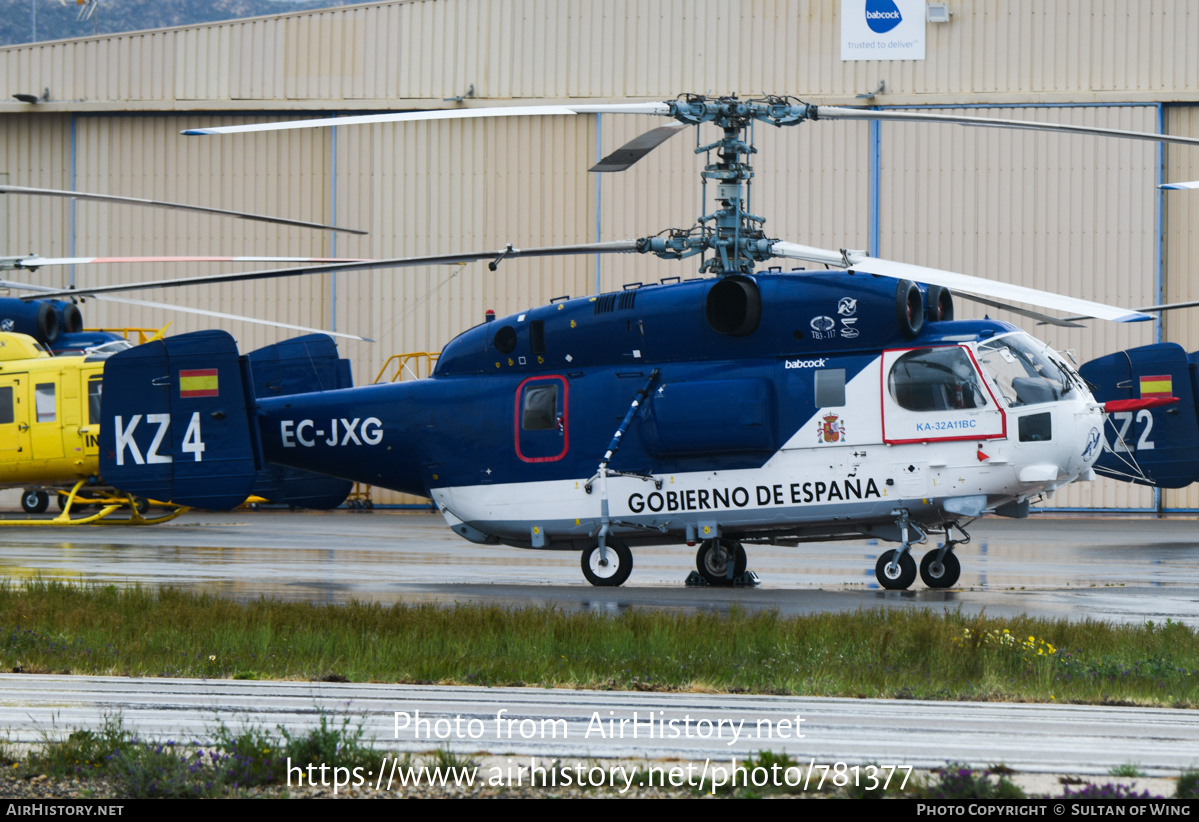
x=49 y=427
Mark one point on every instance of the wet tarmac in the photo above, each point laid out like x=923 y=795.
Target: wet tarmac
x=1119 y=569
x=1124 y=570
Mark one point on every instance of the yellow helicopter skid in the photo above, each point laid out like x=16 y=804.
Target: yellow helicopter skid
x=136 y=518
x=109 y=505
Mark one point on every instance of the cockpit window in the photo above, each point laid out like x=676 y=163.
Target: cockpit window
x=936 y=379
x=95 y=389
x=1024 y=371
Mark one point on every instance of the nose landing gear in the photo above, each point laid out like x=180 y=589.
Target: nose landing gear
x=609 y=566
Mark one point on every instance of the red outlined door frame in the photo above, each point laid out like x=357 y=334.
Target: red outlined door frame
x=563 y=418
x=885 y=398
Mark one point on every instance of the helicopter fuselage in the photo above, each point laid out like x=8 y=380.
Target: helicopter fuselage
x=824 y=419
x=774 y=407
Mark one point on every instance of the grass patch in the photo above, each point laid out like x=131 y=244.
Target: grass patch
x=53 y=627
x=83 y=753
x=1128 y=769
x=236 y=760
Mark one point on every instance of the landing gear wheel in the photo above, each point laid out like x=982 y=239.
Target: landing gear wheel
x=943 y=574
x=34 y=501
x=895 y=579
x=141 y=504
x=614 y=571
x=712 y=560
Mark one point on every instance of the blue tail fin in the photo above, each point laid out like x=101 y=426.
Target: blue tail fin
x=177 y=422
x=1148 y=445
x=300 y=366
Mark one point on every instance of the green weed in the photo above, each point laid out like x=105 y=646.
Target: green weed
x=1127 y=769
x=1188 y=785
x=50 y=626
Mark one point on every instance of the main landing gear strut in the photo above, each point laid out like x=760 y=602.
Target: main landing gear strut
x=723 y=562
x=896 y=570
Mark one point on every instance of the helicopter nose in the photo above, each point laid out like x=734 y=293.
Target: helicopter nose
x=1059 y=445
x=1086 y=440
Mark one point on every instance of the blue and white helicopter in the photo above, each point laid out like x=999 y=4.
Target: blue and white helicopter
x=743 y=407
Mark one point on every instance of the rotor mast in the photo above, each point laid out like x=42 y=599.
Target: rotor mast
x=735 y=236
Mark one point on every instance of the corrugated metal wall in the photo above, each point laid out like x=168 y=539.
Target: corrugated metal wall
x=1181 y=253
x=1073 y=214
x=509 y=49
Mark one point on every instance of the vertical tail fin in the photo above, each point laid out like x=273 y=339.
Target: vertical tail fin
x=1148 y=445
x=177 y=422
x=300 y=366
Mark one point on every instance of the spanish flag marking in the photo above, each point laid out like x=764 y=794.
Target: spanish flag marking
x=199 y=383
x=1157 y=386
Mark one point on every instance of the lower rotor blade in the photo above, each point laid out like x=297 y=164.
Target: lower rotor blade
x=41 y=293
x=811 y=254
x=1162 y=307
x=1025 y=312
x=36 y=262
x=959 y=283
x=112 y=198
x=1006 y=291
x=203 y=313
x=614 y=247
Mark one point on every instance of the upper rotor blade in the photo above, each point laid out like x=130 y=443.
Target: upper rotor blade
x=835 y=113
x=638 y=147
x=440 y=114
x=112 y=198
x=961 y=282
x=614 y=247
x=1180 y=186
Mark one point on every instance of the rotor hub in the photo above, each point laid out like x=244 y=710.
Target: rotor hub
x=731 y=233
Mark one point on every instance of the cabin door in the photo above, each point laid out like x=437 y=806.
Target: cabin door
x=14 y=420
x=542 y=419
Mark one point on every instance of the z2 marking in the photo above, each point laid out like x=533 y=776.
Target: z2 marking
x=1125 y=417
